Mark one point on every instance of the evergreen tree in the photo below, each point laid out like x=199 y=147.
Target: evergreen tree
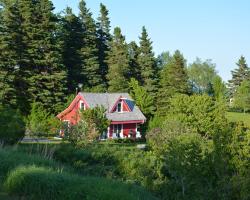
x=71 y=33
x=142 y=99
x=147 y=63
x=242 y=96
x=239 y=74
x=134 y=52
x=45 y=70
x=104 y=38
x=89 y=51
x=174 y=80
x=13 y=85
x=118 y=62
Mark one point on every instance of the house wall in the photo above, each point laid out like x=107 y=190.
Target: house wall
x=126 y=129
x=73 y=115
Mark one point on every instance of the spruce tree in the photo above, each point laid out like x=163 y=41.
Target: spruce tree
x=147 y=63
x=45 y=70
x=89 y=51
x=173 y=80
x=13 y=85
x=118 y=61
x=104 y=38
x=71 y=33
x=134 y=52
x=239 y=74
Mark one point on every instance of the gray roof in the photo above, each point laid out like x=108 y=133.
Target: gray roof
x=107 y=100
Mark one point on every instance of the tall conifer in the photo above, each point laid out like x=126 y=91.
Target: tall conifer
x=13 y=85
x=239 y=74
x=118 y=61
x=71 y=33
x=147 y=63
x=89 y=51
x=173 y=80
x=104 y=38
x=46 y=72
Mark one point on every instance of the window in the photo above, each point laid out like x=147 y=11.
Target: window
x=82 y=105
x=119 y=107
x=118 y=129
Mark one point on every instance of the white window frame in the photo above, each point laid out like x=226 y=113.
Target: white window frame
x=121 y=133
x=80 y=105
x=120 y=102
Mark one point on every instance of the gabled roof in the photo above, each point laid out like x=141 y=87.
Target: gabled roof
x=108 y=101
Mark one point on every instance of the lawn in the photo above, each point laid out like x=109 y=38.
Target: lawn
x=236 y=117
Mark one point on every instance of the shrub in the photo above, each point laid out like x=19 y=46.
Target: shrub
x=40 y=122
x=92 y=125
x=12 y=126
x=43 y=183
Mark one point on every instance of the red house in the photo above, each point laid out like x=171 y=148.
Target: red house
x=121 y=110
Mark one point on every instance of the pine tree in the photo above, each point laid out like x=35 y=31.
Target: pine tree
x=71 y=33
x=147 y=63
x=12 y=58
x=104 y=38
x=134 y=52
x=45 y=70
x=89 y=51
x=142 y=99
x=174 y=80
x=118 y=62
x=239 y=74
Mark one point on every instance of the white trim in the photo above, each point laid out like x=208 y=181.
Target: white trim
x=80 y=105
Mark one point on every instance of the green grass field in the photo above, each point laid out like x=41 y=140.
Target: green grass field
x=236 y=117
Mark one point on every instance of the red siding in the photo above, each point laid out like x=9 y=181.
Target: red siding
x=127 y=128
x=72 y=112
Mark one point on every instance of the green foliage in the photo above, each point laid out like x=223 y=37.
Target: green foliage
x=242 y=96
x=118 y=61
x=90 y=66
x=70 y=34
x=45 y=72
x=12 y=126
x=41 y=123
x=92 y=125
x=219 y=88
x=184 y=166
x=142 y=98
x=200 y=112
x=13 y=79
x=239 y=117
x=239 y=74
x=159 y=138
x=174 y=80
x=147 y=64
x=37 y=178
x=104 y=39
x=201 y=74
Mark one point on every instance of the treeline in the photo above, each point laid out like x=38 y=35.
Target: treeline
x=45 y=57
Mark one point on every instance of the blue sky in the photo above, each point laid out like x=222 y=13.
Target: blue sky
x=211 y=29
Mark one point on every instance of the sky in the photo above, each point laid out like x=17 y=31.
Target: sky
x=209 y=29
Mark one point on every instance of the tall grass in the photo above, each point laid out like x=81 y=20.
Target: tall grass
x=34 y=177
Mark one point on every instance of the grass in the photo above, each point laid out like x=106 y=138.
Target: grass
x=236 y=117
x=27 y=175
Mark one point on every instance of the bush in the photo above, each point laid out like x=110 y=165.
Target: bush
x=41 y=123
x=12 y=126
x=43 y=183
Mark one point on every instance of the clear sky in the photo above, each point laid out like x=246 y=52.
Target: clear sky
x=208 y=29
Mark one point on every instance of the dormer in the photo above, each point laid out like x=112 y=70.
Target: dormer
x=121 y=106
